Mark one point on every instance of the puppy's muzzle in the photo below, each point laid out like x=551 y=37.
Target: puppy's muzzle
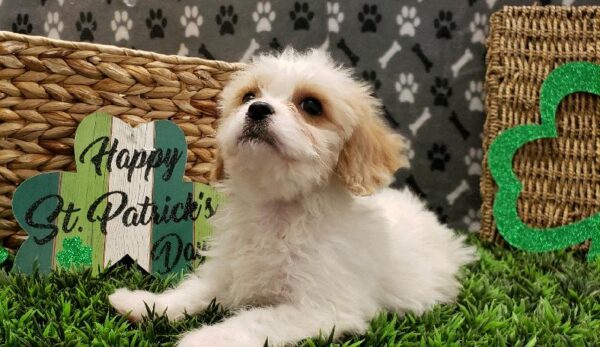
x=259 y=110
x=256 y=127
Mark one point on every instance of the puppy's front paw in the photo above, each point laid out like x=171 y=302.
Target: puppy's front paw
x=132 y=304
x=217 y=336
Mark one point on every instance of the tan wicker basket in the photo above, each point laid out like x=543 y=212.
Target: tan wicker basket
x=561 y=177
x=48 y=86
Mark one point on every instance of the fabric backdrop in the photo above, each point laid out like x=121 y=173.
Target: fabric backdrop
x=424 y=58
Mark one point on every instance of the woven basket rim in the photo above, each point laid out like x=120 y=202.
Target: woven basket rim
x=110 y=49
x=544 y=8
x=537 y=9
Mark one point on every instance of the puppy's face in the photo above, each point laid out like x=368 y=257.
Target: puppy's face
x=292 y=123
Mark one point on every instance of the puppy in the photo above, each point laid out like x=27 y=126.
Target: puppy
x=308 y=240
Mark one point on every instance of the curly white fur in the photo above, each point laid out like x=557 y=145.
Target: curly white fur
x=297 y=251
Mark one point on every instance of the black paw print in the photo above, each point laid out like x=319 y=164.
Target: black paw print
x=442 y=217
x=438 y=156
x=227 y=19
x=369 y=18
x=444 y=25
x=371 y=76
x=441 y=92
x=302 y=16
x=156 y=23
x=86 y=25
x=22 y=24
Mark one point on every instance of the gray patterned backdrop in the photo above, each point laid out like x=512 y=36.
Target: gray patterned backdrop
x=425 y=59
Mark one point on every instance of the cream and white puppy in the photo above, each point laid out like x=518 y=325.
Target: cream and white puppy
x=308 y=240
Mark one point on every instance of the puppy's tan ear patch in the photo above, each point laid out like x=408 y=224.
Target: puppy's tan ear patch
x=371 y=155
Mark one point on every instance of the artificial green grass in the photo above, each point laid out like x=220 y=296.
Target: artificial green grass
x=509 y=298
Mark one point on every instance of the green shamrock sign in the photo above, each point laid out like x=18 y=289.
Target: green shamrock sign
x=127 y=198
x=566 y=79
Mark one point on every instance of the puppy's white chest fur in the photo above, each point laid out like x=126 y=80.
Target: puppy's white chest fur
x=267 y=253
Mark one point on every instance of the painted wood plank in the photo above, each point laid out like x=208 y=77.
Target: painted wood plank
x=129 y=234
x=31 y=251
x=85 y=187
x=208 y=201
x=170 y=246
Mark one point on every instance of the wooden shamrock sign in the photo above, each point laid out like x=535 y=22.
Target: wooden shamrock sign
x=126 y=198
x=567 y=79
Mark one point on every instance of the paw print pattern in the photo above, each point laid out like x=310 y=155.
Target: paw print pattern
x=335 y=17
x=263 y=16
x=120 y=25
x=408 y=21
x=371 y=77
x=22 y=25
x=474 y=96
x=473 y=220
x=191 y=20
x=478 y=28
x=53 y=26
x=369 y=17
x=473 y=161
x=441 y=92
x=156 y=23
x=226 y=19
x=438 y=156
x=406 y=88
x=86 y=25
x=301 y=16
x=444 y=25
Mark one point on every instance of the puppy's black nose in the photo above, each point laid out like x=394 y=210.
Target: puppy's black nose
x=259 y=110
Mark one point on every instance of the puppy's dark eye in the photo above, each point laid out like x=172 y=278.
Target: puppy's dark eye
x=311 y=106
x=248 y=96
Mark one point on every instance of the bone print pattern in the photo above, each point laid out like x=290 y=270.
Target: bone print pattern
x=425 y=60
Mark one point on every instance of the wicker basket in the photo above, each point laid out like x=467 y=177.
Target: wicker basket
x=561 y=177
x=48 y=86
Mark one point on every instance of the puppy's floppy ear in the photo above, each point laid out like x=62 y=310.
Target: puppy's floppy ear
x=372 y=153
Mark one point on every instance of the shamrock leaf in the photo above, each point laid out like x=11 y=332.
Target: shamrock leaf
x=74 y=253
x=564 y=80
x=127 y=198
x=3 y=255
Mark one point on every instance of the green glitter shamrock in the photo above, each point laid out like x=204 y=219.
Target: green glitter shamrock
x=564 y=80
x=74 y=253
x=3 y=254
